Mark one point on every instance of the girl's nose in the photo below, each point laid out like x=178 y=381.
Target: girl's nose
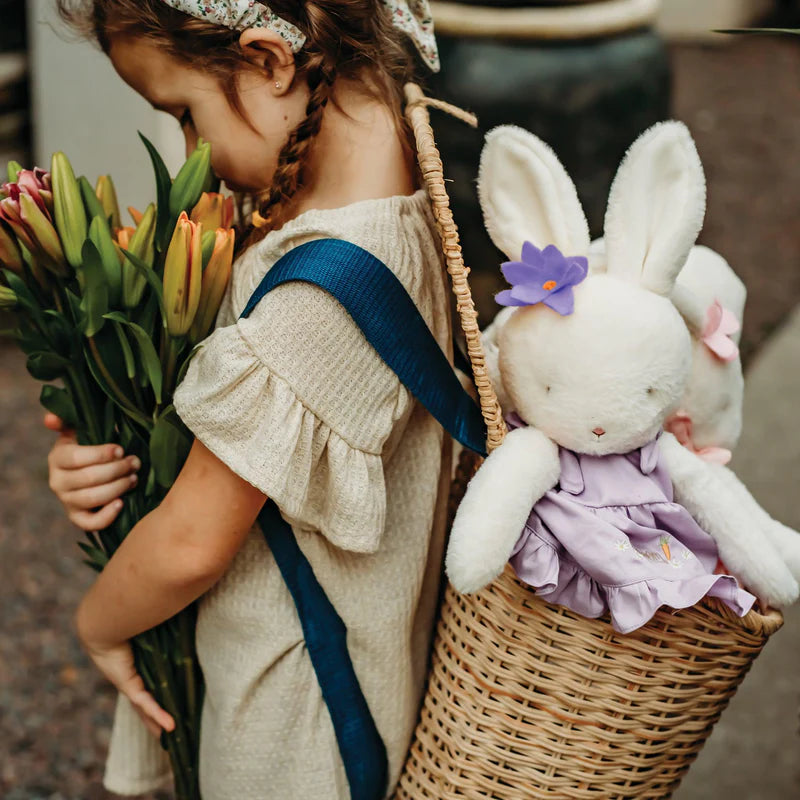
x=598 y=432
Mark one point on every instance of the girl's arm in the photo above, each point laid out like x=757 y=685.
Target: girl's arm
x=170 y=558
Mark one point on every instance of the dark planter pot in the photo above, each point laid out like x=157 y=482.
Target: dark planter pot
x=588 y=99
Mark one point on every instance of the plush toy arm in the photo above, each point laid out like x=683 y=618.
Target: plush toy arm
x=785 y=540
x=755 y=562
x=497 y=504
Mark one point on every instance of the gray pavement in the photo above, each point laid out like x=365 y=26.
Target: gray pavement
x=754 y=752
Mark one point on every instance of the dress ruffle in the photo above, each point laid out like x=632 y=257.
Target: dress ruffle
x=559 y=580
x=253 y=421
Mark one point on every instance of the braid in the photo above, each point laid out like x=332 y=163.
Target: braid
x=294 y=156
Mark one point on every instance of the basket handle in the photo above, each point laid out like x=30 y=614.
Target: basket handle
x=430 y=164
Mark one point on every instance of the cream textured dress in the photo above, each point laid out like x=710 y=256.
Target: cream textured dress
x=295 y=401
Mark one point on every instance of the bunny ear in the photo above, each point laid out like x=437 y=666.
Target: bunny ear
x=526 y=195
x=656 y=208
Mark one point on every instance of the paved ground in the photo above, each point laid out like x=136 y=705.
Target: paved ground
x=743 y=105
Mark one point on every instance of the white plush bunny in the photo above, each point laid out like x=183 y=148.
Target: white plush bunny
x=709 y=420
x=597 y=378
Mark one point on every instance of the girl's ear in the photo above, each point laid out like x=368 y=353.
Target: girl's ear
x=269 y=52
x=526 y=195
x=655 y=208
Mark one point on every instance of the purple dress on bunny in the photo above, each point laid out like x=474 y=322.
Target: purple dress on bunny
x=609 y=538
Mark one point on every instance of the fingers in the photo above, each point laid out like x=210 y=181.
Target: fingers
x=98 y=475
x=85 y=499
x=54 y=423
x=66 y=454
x=146 y=706
x=96 y=520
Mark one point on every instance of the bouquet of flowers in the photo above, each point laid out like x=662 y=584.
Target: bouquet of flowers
x=113 y=313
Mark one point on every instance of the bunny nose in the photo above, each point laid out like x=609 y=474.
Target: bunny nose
x=598 y=431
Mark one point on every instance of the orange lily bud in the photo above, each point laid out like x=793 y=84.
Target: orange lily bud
x=215 y=280
x=136 y=215
x=107 y=195
x=213 y=211
x=183 y=275
x=123 y=237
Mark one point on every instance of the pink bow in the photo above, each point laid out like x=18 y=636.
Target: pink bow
x=720 y=325
x=680 y=426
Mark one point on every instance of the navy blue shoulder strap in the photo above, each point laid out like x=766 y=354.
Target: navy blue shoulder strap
x=388 y=318
x=381 y=307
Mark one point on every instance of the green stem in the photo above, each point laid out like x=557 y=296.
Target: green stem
x=112 y=384
x=173 y=349
x=188 y=661
x=78 y=391
x=137 y=392
x=166 y=694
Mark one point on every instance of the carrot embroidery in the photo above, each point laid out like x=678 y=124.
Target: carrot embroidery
x=664 y=542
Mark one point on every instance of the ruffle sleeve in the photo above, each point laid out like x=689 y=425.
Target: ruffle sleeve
x=295 y=401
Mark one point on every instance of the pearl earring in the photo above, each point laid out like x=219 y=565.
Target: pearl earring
x=278 y=85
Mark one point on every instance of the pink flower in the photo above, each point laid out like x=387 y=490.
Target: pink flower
x=720 y=325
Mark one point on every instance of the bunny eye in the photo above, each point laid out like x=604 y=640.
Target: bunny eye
x=651 y=390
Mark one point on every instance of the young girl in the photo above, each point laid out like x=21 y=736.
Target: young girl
x=301 y=104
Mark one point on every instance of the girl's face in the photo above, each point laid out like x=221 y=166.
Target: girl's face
x=244 y=151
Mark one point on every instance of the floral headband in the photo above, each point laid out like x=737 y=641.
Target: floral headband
x=412 y=17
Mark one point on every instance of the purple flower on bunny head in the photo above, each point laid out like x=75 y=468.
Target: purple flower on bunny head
x=543 y=276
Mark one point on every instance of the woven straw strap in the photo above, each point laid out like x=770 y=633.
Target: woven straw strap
x=430 y=163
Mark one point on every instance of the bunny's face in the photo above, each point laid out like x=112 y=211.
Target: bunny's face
x=603 y=379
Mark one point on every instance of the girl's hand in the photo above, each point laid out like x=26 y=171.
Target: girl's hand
x=88 y=480
x=117 y=664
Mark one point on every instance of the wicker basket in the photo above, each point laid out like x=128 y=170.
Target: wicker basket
x=529 y=700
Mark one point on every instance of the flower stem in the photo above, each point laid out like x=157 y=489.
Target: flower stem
x=112 y=384
x=173 y=349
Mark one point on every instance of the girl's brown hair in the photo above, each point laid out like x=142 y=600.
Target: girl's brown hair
x=344 y=39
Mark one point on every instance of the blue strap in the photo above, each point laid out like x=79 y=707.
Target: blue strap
x=360 y=745
x=388 y=318
x=380 y=306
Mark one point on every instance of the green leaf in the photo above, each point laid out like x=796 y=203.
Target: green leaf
x=100 y=234
x=208 y=240
x=47 y=366
x=94 y=208
x=96 y=555
x=185 y=365
x=94 y=303
x=169 y=447
x=101 y=382
x=147 y=351
x=150 y=277
x=109 y=421
x=59 y=331
x=32 y=340
x=127 y=352
x=25 y=297
x=58 y=401
x=163 y=187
